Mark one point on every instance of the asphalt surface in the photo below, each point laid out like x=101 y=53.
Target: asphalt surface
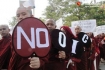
x=102 y=66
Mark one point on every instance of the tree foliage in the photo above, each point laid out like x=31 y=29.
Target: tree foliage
x=13 y=22
x=69 y=11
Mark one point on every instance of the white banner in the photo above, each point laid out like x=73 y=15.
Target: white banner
x=86 y=25
x=100 y=29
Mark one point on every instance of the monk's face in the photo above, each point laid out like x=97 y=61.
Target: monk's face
x=4 y=30
x=50 y=24
x=77 y=30
x=22 y=13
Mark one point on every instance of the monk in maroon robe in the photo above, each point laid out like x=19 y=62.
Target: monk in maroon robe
x=98 y=52
x=101 y=48
x=5 y=47
x=103 y=45
x=20 y=63
x=94 y=52
x=83 y=65
x=56 y=58
x=71 y=63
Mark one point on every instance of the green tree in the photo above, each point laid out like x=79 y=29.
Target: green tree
x=69 y=11
x=42 y=19
x=100 y=17
x=82 y=12
x=58 y=8
x=13 y=22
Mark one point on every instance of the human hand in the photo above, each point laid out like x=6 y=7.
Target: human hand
x=62 y=54
x=34 y=62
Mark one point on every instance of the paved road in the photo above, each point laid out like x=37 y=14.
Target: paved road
x=102 y=66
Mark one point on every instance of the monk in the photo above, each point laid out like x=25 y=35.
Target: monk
x=97 y=39
x=5 y=46
x=103 y=45
x=73 y=57
x=83 y=65
x=56 y=58
x=94 y=50
x=20 y=63
x=101 y=48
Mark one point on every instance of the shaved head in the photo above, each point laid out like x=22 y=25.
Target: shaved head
x=22 y=13
x=78 y=29
x=4 y=30
x=51 y=24
x=6 y=26
x=51 y=21
x=24 y=8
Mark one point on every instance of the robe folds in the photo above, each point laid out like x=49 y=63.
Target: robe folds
x=5 y=52
x=82 y=37
x=20 y=63
x=55 y=63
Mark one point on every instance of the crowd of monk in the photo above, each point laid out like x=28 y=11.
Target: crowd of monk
x=88 y=58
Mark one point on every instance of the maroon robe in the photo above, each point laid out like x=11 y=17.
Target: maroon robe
x=92 y=55
x=101 y=48
x=5 y=52
x=73 y=57
x=55 y=63
x=98 y=51
x=60 y=64
x=73 y=66
x=83 y=65
x=20 y=63
x=103 y=45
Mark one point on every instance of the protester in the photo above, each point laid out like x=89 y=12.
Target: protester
x=20 y=63
x=94 y=52
x=83 y=65
x=5 y=46
x=100 y=37
x=98 y=48
x=74 y=57
x=56 y=58
x=103 y=48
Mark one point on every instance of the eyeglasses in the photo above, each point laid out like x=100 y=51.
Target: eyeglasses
x=2 y=29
